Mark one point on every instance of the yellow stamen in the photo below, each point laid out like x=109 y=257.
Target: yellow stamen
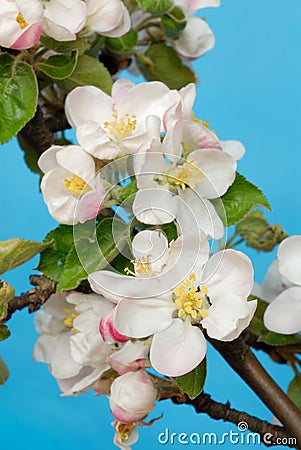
x=124 y=429
x=121 y=128
x=191 y=300
x=205 y=123
x=69 y=320
x=187 y=174
x=76 y=185
x=21 y=21
x=142 y=266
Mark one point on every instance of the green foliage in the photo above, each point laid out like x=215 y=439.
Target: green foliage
x=258 y=233
x=156 y=7
x=4 y=372
x=88 y=71
x=123 y=193
x=193 y=382
x=240 y=199
x=294 y=390
x=52 y=259
x=59 y=67
x=4 y=332
x=6 y=293
x=80 y=45
x=16 y=251
x=18 y=96
x=161 y=63
x=123 y=43
x=174 y=22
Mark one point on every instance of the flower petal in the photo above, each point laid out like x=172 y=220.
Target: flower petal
x=289 y=255
x=195 y=40
x=283 y=315
x=178 y=349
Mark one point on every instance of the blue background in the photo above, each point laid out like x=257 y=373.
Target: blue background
x=249 y=90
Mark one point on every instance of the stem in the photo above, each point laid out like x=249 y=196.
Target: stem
x=269 y=434
x=246 y=365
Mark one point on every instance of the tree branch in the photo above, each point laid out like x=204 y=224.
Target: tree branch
x=36 y=134
x=269 y=434
x=239 y=356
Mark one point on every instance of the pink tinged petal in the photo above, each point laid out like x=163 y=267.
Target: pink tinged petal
x=230 y=272
x=87 y=103
x=29 y=38
x=197 y=136
x=74 y=159
x=228 y=317
x=89 y=205
x=219 y=169
x=178 y=349
x=289 y=256
x=108 y=331
x=130 y=357
x=132 y=396
x=234 y=148
x=188 y=95
x=119 y=89
x=139 y=318
x=283 y=315
x=154 y=206
x=152 y=244
x=194 y=211
x=195 y=40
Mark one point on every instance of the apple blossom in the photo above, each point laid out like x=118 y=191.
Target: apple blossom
x=125 y=435
x=212 y=293
x=64 y=18
x=108 y=17
x=197 y=37
x=20 y=26
x=71 y=190
x=283 y=282
x=133 y=396
x=111 y=126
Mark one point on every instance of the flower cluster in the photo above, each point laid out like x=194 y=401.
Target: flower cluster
x=154 y=314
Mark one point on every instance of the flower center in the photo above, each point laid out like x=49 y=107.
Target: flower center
x=121 y=128
x=124 y=430
x=69 y=320
x=191 y=300
x=205 y=123
x=76 y=185
x=187 y=174
x=142 y=266
x=21 y=21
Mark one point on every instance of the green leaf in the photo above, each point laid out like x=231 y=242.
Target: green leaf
x=52 y=259
x=156 y=7
x=193 y=382
x=7 y=292
x=161 y=63
x=294 y=390
x=4 y=372
x=92 y=252
x=174 y=22
x=30 y=157
x=123 y=43
x=258 y=233
x=240 y=198
x=89 y=71
x=16 y=251
x=80 y=45
x=127 y=191
x=170 y=229
x=59 y=67
x=4 y=332
x=18 y=96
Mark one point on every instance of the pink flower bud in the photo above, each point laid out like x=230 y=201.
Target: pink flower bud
x=108 y=331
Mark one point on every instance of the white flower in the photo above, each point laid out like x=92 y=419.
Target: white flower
x=64 y=18
x=133 y=396
x=197 y=37
x=108 y=17
x=283 y=281
x=71 y=190
x=70 y=341
x=111 y=126
x=20 y=26
x=125 y=435
x=213 y=294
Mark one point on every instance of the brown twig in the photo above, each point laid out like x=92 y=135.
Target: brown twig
x=239 y=356
x=36 y=134
x=269 y=434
